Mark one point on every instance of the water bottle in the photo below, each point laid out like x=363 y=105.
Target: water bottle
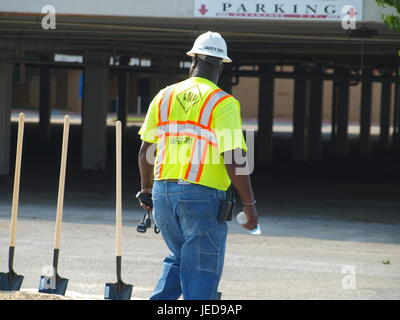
x=242 y=220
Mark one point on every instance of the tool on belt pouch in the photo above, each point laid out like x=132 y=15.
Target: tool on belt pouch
x=227 y=207
x=146 y=221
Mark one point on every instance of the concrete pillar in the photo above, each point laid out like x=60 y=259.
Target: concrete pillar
x=365 y=118
x=74 y=101
x=123 y=92
x=315 y=118
x=123 y=97
x=302 y=93
x=44 y=103
x=153 y=84
x=6 y=76
x=133 y=89
x=396 y=117
x=265 y=116
x=61 y=87
x=67 y=85
x=146 y=92
x=94 y=113
x=342 y=115
x=384 y=137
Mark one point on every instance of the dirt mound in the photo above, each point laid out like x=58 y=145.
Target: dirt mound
x=23 y=295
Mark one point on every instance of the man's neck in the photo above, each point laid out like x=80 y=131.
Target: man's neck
x=210 y=77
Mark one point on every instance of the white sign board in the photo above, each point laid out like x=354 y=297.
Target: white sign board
x=320 y=10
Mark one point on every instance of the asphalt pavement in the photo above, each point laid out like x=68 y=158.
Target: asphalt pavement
x=296 y=257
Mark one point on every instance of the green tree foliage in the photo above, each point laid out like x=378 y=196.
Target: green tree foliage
x=393 y=21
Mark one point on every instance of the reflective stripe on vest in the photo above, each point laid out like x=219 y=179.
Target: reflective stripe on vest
x=213 y=99
x=200 y=130
x=196 y=163
x=165 y=105
x=160 y=156
x=189 y=129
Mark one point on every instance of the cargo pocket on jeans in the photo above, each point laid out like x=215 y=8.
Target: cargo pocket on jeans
x=209 y=256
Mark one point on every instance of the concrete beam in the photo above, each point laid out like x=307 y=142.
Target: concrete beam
x=264 y=152
x=6 y=75
x=8 y=45
x=94 y=114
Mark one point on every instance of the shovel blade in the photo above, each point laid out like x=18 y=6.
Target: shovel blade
x=49 y=286
x=118 y=291
x=10 y=281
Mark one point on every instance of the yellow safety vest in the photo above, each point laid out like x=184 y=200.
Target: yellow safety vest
x=193 y=122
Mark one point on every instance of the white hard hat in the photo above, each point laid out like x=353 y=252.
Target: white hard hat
x=210 y=44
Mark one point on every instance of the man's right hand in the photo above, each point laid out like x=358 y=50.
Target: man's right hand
x=252 y=217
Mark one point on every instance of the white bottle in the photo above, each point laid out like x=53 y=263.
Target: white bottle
x=242 y=220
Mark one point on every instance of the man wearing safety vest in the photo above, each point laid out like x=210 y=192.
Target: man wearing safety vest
x=195 y=129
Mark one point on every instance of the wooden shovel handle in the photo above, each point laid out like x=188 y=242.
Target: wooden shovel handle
x=118 y=208
x=61 y=184
x=17 y=176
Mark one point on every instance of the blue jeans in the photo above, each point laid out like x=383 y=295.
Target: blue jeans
x=187 y=215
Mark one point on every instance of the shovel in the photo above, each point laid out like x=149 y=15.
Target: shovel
x=118 y=290
x=11 y=281
x=52 y=283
